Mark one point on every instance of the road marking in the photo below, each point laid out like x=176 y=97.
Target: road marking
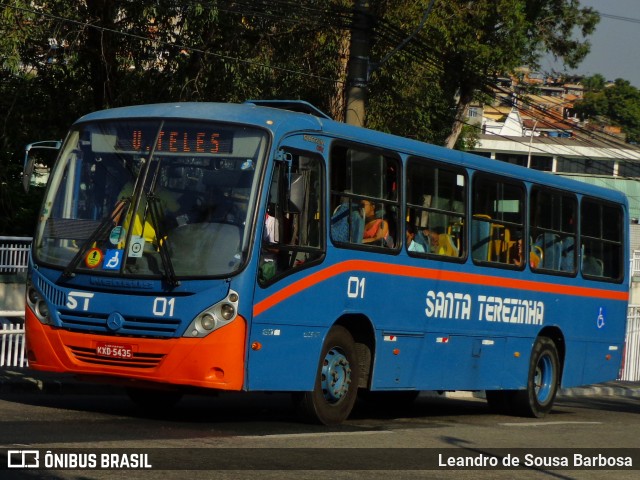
x=541 y=424
x=317 y=435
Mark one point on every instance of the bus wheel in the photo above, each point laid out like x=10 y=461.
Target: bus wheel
x=542 y=383
x=152 y=400
x=336 y=384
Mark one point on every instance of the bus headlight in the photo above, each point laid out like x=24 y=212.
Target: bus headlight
x=38 y=305
x=214 y=317
x=227 y=311
x=208 y=321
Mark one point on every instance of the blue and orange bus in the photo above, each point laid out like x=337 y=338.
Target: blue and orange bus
x=264 y=247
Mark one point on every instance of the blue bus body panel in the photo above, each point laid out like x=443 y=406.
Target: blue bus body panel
x=480 y=337
x=489 y=348
x=86 y=302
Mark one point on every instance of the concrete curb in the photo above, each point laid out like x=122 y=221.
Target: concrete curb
x=608 y=389
x=628 y=389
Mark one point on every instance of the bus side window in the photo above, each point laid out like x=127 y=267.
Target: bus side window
x=601 y=240
x=498 y=218
x=436 y=196
x=293 y=235
x=364 y=197
x=552 y=228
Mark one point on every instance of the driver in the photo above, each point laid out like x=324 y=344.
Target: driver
x=169 y=205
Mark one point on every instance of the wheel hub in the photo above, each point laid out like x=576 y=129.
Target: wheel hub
x=543 y=378
x=336 y=375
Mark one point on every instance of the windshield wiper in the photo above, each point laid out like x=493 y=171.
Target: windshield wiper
x=103 y=228
x=155 y=214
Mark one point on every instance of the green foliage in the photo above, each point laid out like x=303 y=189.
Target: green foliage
x=594 y=83
x=464 y=43
x=61 y=60
x=618 y=104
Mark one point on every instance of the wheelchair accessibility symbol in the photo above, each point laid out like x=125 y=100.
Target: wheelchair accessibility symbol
x=113 y=259
x=600 y=320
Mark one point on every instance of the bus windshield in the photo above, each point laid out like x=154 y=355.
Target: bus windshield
x=159 y=198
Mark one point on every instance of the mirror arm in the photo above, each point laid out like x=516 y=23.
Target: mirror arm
x=28 y=165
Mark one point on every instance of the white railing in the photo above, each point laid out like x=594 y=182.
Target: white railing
x=635 y=265
x=631 y=361
x=14 y=254
x=14 y=259
x=12 y=346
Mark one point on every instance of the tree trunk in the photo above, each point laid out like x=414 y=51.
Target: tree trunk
x=100 y=51
x=358 y=66
x=466 y=96
x=338 y=101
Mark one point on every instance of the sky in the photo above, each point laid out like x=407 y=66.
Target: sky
x=615 y=45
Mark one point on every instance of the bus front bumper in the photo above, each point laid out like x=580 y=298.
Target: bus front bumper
x=216 y=361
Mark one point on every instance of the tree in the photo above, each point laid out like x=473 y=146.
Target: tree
x=466 y=42
x=594 y=83
x=618 y=104
x=60 y=60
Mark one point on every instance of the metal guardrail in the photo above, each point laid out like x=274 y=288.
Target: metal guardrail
x=635 y=266
x=630 y=370
x=14 y=259
x=14 y=254
x=12 y=346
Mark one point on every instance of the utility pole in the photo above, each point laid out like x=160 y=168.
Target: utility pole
x=358 y=69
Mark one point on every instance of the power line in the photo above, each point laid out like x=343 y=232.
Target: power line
x=535 y=111
x=618 y=17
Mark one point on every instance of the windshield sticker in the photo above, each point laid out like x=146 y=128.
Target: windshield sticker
x=117 y=235
x=247 y=165
x=136 y=246
x=112 y=260
x=93 y=258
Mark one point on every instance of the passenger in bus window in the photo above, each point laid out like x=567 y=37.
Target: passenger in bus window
x=268 y=259
x=375 y=229
x=518 y=253
x=412 y=245
x=432 y=238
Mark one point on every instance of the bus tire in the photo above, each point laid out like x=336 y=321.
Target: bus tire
x=542 y=382
x=336 y=384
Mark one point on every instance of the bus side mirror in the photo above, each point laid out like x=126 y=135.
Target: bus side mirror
x=295 y=191
x=29 y=162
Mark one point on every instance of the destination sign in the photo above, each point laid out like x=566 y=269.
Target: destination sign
x=183 y=139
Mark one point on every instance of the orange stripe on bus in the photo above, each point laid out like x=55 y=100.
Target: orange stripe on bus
x=431 y=274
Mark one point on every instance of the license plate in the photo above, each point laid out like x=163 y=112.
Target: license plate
x=114 y=350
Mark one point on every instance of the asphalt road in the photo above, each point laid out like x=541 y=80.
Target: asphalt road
x=260 y=436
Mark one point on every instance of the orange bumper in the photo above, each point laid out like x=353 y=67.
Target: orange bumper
x=215 y=361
